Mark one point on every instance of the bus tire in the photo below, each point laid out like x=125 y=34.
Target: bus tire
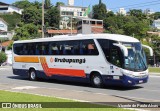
x=32 y=75
x=96 y=80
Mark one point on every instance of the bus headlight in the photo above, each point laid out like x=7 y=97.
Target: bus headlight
x=128 y=73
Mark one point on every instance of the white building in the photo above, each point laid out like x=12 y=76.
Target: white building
x=156 y=24
x=71 y=2
x=122 y=11
x=148 y=11
x=68 y=12
x=4 y=30
x=3 y=25
x=7 y=8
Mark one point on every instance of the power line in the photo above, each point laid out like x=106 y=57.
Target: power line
x=139 y=4
x=143 y=5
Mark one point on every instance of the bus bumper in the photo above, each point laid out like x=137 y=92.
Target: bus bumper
x=125 y=80
x=129 y=81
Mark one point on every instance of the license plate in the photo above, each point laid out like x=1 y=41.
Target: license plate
x=141 y=81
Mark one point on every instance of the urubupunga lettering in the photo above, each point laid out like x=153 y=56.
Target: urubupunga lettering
x=80 y=61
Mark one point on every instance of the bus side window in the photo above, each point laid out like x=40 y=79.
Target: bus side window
x=75 y=48
x=31 y=48
x=91 y=48
x=81 y=51
x=43 y=49
x=37 y=49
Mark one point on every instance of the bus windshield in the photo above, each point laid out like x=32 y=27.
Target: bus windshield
x=136 y=60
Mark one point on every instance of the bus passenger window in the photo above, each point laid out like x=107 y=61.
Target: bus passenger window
x=91 y=49
x=37 y=49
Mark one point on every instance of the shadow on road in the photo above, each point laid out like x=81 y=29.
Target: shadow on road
x=73 y=83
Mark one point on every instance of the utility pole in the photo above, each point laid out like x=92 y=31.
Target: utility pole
x=42 y=18
x=71 y=25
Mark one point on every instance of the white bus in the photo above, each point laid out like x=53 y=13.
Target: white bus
x=101 y=59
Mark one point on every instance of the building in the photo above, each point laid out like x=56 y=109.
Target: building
x=71 y=2
x=3 y=28
x=68 y=15
x=122 y=11
x=88 y=26
x=83 y=26
x=148 y=11
x=156 y=24
x=7 y=8
x=51 y=32
x=4 y=33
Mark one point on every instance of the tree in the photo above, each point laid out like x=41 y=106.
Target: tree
x=137 y=13
x=156 y=15
x=10 y=46
x=32 y=15
x=137 y=28
x=47 y=4
x=23 y=4
x=99 y=11
x=3 y=57
x=26 y=31
x=59 y=4
x=52 y=17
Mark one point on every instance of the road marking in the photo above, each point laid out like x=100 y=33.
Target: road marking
x=25 y=87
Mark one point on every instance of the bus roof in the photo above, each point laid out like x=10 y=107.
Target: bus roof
x=116 y=37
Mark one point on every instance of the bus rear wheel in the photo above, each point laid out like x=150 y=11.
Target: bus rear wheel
x=32 y=75
x=96 y=80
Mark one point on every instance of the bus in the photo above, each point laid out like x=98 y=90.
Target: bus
x=98 y=59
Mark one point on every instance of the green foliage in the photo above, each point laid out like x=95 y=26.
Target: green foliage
x=10 y=46
x=137 y=13
x=52 y=17
x=99 y=11
x=32 y=15
x=59 y=4
x=47 y=4
x=156 y=44
x=154 y=69
x=26 y=31
x=3 y=57
x=11 y=19
x=156 y=15
x=23 y=4
x=22 y=97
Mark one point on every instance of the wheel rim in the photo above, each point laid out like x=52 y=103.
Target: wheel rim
x=97 y=80
x=33 y=75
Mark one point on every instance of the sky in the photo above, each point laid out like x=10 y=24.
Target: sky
x=113 y=5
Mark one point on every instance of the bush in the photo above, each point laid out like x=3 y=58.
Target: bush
x=3 y=57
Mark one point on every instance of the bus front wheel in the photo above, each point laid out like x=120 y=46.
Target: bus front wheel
x=96 y=80
x=32 y=75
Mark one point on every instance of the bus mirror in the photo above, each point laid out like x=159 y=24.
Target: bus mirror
x=150 y=49
x=122 y=47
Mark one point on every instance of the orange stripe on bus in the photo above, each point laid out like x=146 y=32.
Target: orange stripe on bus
x=26 y=59
x=59 y=71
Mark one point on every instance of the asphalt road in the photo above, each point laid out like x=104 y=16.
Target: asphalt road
x=147 y=92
